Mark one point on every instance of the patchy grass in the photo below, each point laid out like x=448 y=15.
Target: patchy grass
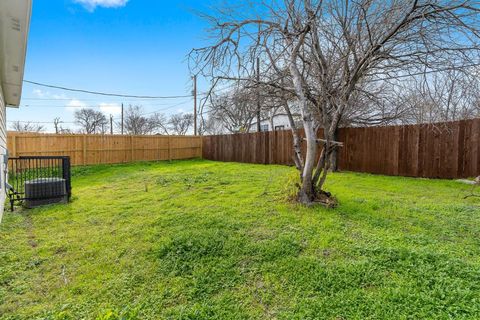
x=208 y=240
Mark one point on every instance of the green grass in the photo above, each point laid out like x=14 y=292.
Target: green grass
x=209 y=240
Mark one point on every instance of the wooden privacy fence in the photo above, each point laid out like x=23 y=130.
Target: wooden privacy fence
x=443 y=150
x=98 y=149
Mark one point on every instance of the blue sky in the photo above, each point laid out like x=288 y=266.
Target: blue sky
x=131 y=47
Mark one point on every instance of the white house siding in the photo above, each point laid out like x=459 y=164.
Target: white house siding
x=3 y=152
x=14 y=25
x=280 y=122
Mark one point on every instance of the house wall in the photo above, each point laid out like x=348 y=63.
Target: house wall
x=3 y=151
x=278 y=120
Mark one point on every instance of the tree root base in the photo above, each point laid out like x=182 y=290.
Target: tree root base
x=322 y=197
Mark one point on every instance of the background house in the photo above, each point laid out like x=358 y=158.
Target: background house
x=14 y=24
x=277 y=122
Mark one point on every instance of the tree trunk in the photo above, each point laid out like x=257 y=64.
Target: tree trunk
x=297 y=146
x=322 y=168
x=307 y=192
x=334 y=155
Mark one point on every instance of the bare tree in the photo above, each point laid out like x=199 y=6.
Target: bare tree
x=63 y=130
x=56 y=124
x=444 y=96
x=326 y=53
x=135 y=122
x=211 y=125
x=22 y=126
x=160 y=122
x=235 y=109
x=59 y=129
x=180 y=123
x=91 y=121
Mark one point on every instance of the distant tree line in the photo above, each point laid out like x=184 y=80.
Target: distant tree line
x=135 y=122
x=27 y=126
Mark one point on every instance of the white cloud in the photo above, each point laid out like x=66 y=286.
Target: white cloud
x=47 y=95
x=59 y=96
x=91 y=5
x=39 y=93
x=111 y=108
x=75 y=105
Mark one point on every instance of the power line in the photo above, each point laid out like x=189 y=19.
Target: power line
x=69 y=99
x=116 y=118
x=27 y=106
x=95 y=106
x=136 y=97
x=47 y=100
x=104 y=93
x=43 y=122
x=163 y=109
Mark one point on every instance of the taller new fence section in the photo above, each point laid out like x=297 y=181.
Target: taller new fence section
x=441 y=150
x=100 y=149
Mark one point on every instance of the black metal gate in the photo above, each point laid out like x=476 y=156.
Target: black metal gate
x=37 y=180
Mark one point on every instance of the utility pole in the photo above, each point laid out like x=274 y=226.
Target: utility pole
x=111 y=124
x=122 y=118
x=258 y=95
x=195 y=105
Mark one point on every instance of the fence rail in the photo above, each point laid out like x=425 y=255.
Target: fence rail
x=104 y=149
x=443 y=150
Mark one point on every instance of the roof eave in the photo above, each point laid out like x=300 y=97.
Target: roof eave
x=14 y=26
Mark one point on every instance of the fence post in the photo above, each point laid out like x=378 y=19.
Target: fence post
x=14 y=145
x=274 y=148
x=266 y=149
x=396 y=150
x=131 y=148
x=169 y=149
x=84 y=150
x=67 y=176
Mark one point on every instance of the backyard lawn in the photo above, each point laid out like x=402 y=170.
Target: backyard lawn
x=209 y=240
